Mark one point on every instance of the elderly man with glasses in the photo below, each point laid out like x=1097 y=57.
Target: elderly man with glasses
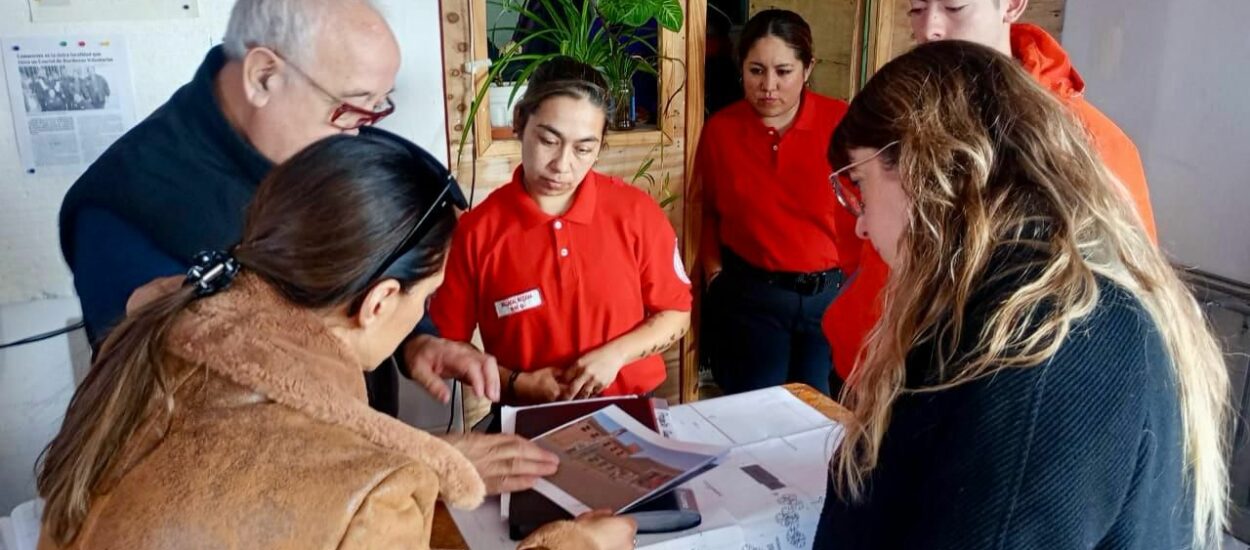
x=289 y=72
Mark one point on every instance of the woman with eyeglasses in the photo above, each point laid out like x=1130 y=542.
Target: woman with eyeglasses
x=852 y=315
x=1040 y=376
x=774 y=247
x=232 y=413
x=573 y=277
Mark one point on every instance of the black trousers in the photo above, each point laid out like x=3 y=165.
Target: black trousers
x=756 y=335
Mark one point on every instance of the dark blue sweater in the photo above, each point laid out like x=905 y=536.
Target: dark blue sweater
x=1084 y=451
x=177 y=183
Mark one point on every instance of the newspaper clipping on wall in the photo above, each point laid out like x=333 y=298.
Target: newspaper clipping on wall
x=70 y=98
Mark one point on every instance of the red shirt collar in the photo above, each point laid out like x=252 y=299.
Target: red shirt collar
x=581 y=211
x=807 y=118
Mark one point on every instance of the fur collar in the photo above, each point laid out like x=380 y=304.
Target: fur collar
x=253 y=337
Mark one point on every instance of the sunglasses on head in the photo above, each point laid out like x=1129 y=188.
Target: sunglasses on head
x=449 y=196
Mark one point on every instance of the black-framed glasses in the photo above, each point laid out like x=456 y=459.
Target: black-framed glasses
x=851 y=201
x=346 y=116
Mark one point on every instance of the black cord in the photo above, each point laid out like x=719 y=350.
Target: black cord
x=452 y=416
x=43 y=336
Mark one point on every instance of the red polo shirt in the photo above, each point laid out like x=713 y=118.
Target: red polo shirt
x=771 y=192
x=546 y=290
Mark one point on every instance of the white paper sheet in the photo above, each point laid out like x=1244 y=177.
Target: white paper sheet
x=482 y=530
x=748 y=417
x=774 y=489
x=774 y=504
x=71 y=97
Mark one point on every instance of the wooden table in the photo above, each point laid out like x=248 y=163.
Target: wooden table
x=446 y=536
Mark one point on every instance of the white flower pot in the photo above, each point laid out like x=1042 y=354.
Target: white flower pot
x=500 y=108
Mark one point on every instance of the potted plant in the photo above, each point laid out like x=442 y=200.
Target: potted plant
x=501 y=96
x=598 y=33
x=628 y=18
x=619 y=71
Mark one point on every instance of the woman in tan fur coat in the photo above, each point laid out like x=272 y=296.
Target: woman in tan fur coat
x=232 y=414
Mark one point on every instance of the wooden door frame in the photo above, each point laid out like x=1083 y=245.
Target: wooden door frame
x=696 y=48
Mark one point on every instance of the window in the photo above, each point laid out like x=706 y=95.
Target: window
x=467 y=40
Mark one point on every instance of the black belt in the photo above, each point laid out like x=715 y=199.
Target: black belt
x=807 y=284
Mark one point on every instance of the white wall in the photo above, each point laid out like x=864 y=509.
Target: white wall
x=419 y=99
x=165 y=55
x=36 y=292
x=36 y=383
x=1174 y=74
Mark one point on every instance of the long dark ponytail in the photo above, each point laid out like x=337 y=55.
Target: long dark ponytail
x=323 y=228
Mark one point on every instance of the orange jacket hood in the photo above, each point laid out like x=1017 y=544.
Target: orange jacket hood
x=1042 y=56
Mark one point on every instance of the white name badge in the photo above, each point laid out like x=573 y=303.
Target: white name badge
x=516 y=304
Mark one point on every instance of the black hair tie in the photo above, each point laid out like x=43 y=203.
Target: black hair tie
x=211 y=272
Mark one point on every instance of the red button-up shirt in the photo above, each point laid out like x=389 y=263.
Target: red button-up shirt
x=546 y=290
x=771 y=192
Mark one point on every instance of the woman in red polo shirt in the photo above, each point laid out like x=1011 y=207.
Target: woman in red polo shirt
x=573 y=277
x=774 y=245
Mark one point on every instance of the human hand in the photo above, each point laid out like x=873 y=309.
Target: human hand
x=431 y=359
x=592 y=373
x=540 y=386
x=506 y=462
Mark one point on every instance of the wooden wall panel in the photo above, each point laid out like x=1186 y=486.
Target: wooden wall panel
x=696 y=54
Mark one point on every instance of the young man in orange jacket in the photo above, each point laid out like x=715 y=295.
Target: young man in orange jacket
x=993 y=23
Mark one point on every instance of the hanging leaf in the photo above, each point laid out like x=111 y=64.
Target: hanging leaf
x=668 y=14
x=636 y=13
x=643 y=169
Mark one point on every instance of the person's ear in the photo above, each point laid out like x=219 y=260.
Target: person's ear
x=807 y=72
x=1015 y=10
x=379 y=304
x=518 y=130
x=261 y=75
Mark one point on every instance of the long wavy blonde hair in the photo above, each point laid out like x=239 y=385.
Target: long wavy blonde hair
x=984 y=153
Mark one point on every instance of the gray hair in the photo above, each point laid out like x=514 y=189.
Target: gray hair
x=286 y=26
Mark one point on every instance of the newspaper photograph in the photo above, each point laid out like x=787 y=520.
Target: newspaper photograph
x=70 y=99
x=609 y=461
